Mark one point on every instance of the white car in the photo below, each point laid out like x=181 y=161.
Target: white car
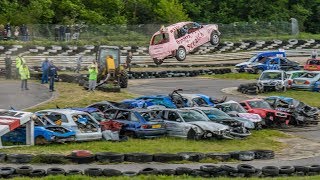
x=86 y=127
x=273 y=80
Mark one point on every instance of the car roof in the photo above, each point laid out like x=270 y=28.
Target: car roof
x=87 y=109
x=63 y=111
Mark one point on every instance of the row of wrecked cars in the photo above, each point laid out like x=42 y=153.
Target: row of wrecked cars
x=191 y=116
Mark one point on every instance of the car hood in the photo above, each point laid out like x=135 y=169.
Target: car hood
x=250 y=116
x=243 y=64
x=211 y=126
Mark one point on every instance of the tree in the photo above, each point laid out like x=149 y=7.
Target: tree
x=170 y=11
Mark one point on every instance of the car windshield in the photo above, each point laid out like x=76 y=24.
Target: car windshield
x=160 y=39
x=232 y=107
x=271 y=76
x=259 y=104
x=98 y=116
x=309 y=75
x=215 y=114
x=253 y=58
x=150 y=115
x=192 y=115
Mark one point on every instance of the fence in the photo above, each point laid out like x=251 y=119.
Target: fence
x=140 y=34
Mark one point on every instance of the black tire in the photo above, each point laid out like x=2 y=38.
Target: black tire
x=183 y=170
x=286 y=170
x=109 y=157
x=167 y=172
x=148 y=171
x=246 y=156
x=192 y=156
x=210 y=168
x=123 y=79
x=214 y=38
x=19 y=158
x=314 y=168
x=3 y=157
x=38 y=173
x=263 y=154
x=157 y=61
x=270 y=171
x=229 y=169
x=56 y=171
x=199 y=173
x=129 y=173
x=181 y=54
x=303 y=169
x=24 y=170
x=138 y=157
x=6 y=171
x=246 y=168
x=219 y=156
x=192 y=135
x=73 y=172
x=93 y=172
x=111 y=172
x=165 y=157
x=82 y=160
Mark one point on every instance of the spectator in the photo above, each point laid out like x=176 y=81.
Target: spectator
x=56 y=33
x=23 y=31
x=76 y=32
x=45 y=70
x=16 y=33
x=129 y=60
x=25 y=75
x=19 y=61
x=8 y=29
x=52 y=74
x=8 y=66
x=62 y=32
x=79 y=61
x=314 y=54
x=68 y=33
x=93 y=74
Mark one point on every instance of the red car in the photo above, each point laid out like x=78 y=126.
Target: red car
x=271 y=117
x=312 y=65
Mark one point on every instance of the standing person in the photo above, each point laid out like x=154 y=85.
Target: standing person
x=93 y=74
x=16 y=33
x=62 y=32
x=314 y=54
x=68 y=33
x=8 y=29
x=19 y=61
x=25 y=75
x=79 y=61
x=129 y=60
x=8 y=66
x=45 y=70
x=76 y=32
x=52 y=74
x=56 y=33
x=23 y=31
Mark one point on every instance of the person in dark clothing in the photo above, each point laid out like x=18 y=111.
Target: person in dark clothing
x=8 y=29
x=8 y=66
x=68 y=33
x=45 y=68
x=23 y=31
x=62 y=31
x=56 y=33
x=129 y=60
x=52 y=74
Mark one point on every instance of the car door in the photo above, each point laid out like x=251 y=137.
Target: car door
x=284 y=64
x=273 y=64
x=174 y=123
x=129 y=119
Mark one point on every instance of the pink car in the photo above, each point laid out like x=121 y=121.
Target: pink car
x=181 y=38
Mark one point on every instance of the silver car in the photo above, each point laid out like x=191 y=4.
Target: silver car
x=192 y=124
x=86 y=127
x=273 y=80
x=306 y=81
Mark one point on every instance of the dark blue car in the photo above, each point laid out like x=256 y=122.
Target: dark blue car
x=140 y=123
x=272 y=63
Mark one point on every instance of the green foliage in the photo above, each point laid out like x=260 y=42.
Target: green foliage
x=170 y=11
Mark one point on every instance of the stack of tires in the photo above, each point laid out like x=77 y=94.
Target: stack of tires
x=249 y=88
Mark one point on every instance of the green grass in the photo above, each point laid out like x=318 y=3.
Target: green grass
x=244 y=76
x=310 y=98
x=163 y=178
x=264 y=139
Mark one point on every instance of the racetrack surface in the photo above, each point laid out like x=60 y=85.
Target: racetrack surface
x=12 y=96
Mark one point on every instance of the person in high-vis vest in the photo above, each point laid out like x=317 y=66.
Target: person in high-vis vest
x=25 y=75
x=110 y=67
x=19 y=61
x=93 y=75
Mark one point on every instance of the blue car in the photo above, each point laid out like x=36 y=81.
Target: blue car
x=44 y=132
x=139 y=123
x=272 y=63
x=258 y=57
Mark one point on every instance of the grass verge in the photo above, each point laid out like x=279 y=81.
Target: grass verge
x=244 y=76
x=310 y=98
x=264 y=139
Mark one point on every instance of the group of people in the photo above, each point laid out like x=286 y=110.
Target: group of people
x=16 y=33
x=66 y=33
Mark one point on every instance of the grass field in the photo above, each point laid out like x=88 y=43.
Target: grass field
x=236 y=76
x=310 y=98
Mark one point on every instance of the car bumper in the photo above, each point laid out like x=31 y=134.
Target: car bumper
x=88 y=136
x=301 y=87
x=151 y=133
x=63 y=139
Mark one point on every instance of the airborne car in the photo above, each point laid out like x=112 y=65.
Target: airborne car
x=177 y=40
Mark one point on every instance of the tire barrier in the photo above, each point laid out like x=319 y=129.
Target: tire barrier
x=204 y=171
x=86 y=157
x=249 y=88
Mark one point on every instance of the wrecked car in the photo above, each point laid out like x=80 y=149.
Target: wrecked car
x=271 y=117
x=138 y=123
x=85 y=126
x=191 y=124
x=234 y=109
x=301 y=113
x=307 y=81
x=273 y=80
x=105 y=105
x=294 y=74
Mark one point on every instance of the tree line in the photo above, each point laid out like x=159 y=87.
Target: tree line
x=18 y=12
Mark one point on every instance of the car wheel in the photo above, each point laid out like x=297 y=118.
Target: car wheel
x=181 y=54
x=157 y=61
x=214 y=39
x=40 y=140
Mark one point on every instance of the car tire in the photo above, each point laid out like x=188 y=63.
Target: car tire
x=167 y=172
x=7 y=171
x=109 y=157
x=210 y=168
x=314 y=168
x=214 y=38
x=123 y=79
x=303 y=169
x=56 y=171
x=157 y=61
x=219 y=156
x=286 y=170
x=183 y=171
x=166 y=157
x=111 y=172
x=138 y=157
x=246 y=168
x=3 y=157
x=19 y=158
x=263 y=154
x=129 y=173
x=181 y=54
x=93 y=172
x=199 y=173
x=192 y=156
x=73 y=172
x=243 y=155
x=270 y=171
x=82 y=160
x=229 y=169
x=24 y=170
x=38 y=173
x=148 y=171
